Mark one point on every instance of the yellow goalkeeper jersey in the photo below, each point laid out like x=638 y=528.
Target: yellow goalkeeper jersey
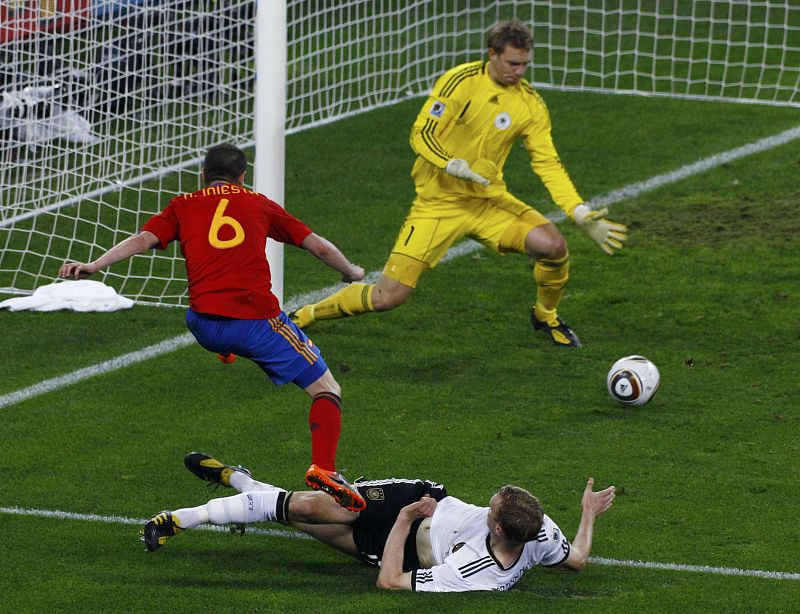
x=469 y=116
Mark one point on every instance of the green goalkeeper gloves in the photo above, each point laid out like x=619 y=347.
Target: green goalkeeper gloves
x=610 y=236
x=460 y=168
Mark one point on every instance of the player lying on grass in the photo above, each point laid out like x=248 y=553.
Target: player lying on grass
x=222 y=230
x=424 y=539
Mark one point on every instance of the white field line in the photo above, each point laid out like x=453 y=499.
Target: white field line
x=61 y=515
x=119 y=362
x=725 y=571
x=604 y=200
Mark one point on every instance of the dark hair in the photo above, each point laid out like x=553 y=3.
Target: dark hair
x=224 y=163
x=512 y=32
x=519 y=513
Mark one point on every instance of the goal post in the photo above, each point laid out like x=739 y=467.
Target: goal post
x=106 y=106
x=270 y=118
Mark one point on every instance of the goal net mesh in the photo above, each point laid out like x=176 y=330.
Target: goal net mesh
x=106 y=106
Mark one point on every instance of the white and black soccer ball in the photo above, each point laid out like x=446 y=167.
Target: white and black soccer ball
x=633 y=380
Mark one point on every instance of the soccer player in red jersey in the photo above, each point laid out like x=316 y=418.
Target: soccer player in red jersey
x=223 y=230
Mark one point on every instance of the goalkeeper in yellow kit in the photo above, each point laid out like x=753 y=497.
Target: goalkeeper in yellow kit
x=462 y=137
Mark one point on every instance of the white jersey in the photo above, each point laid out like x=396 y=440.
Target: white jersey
x=464 y=562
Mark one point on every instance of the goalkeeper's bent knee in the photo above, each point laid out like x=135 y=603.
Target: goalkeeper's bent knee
x=513 y=239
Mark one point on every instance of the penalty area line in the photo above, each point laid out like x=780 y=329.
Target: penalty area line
x=119 y=362
x=705 y=569
x=466 y=247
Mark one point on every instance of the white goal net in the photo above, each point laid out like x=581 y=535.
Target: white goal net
x=106 y=106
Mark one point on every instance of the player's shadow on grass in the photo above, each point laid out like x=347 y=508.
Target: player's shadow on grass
x=264 y=568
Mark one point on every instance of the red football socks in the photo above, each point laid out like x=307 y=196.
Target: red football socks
x=325 y=422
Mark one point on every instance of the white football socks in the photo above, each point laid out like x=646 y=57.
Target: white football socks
x=242 y=482
x=244 y=508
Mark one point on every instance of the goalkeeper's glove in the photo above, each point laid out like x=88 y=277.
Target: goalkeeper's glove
x=460 y=168
x=610 y=236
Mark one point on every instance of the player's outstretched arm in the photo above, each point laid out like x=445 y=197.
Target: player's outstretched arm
x=333 y=257
x=610 y=236
x=392 y=575
x=135 y=244
x=594 y=504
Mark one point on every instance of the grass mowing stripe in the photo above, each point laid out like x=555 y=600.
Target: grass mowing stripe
x=631 y=191
x=726 y=571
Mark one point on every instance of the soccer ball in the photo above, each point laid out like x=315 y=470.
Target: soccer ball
x=633 y=380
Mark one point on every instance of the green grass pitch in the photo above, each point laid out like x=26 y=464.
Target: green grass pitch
x=455 y=386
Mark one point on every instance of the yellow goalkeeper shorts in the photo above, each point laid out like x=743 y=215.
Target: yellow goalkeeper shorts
x=432 y=227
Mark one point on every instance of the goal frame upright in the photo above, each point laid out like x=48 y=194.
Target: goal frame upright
x=270 y=118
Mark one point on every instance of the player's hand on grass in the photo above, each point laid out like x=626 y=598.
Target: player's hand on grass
x=356 y=273
x=596 y=503
x=460 y=168
x=76 y=270
x=610 y=236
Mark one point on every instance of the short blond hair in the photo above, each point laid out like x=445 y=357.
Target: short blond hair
x=519 y=513
x=512 y=32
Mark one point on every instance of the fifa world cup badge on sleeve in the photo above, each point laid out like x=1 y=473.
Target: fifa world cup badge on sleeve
x=437 y=110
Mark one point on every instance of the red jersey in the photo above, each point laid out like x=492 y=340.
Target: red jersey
x=223 y=232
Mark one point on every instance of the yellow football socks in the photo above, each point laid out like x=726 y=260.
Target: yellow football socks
x=352 y=300
x=551 y=277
